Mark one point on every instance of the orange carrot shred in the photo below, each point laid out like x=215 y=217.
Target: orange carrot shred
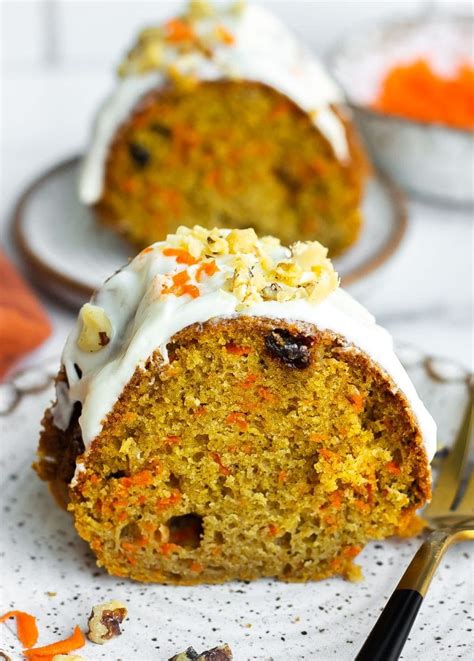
x=225 y=36
x=169 y=547
x=236 y=418
x=180 y=278
x=393 y=467
x=26 y=629
x=74 y=642
x=209 y=268
x=238 y=351
x=177 y=31
x=249 y=381
x=217 y=458
x=172 y=440
x=191 y=290
x=182 y=256
x=416 y=91
x=266 y=394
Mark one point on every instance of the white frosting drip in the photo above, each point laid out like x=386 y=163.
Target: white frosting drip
x=143 y=321
x=265 y=51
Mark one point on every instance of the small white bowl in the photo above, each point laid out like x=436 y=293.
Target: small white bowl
x=430 y=159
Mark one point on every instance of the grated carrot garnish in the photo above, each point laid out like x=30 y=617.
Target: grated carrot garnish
x=191 y=290
x=196 y=566
x=145 y=251
x=238 y=419
x=182 y=256
x=209 y=268
x=26 y=629
x=74 y=642
x=179 y=279
x=225 y=36
x=272 y=530
x=178 y=30
x=282 y=475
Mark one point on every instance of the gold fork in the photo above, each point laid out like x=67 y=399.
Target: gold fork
x=450 y=519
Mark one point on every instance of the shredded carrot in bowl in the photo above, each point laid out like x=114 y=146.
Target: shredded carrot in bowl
x=415 y=91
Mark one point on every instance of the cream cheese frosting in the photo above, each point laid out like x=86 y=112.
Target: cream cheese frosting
x=262 y=50
x=198 y=276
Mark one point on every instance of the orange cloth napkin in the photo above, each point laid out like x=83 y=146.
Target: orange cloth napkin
x=23 y=322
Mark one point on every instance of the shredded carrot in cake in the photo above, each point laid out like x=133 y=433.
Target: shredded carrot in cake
x=236 y=418
x=164 y=503
x=416 y=91
x=169 y=547
x=249 y=381
x=217 y=458
x=393 y=467
x=26 y=629
x=266 y=394
x=74 y=642
x=172 y=440
x=237 y=351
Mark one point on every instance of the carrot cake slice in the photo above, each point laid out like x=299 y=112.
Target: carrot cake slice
x=226 y=411
x=222 y=117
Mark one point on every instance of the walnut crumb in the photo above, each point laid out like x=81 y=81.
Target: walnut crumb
x=105 y=620
x=96 y=328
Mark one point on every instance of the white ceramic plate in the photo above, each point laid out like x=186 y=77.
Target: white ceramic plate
x=72 y=254
x=49 y=571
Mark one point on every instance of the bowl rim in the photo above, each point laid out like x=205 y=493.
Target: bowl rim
x=384 y=26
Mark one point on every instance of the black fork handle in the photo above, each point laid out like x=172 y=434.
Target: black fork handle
x=388 y=637
x=390 y=632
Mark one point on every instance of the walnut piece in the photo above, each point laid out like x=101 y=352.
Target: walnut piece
x=105 y=620
x=96 y=328
x=220 y=653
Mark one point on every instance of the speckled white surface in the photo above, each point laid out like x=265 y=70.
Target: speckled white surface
x=263 y=620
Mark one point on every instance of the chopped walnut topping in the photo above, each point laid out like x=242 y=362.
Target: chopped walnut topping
x=220 y=653
x=257 y=269
x=105 y=620
x=96 y=330
x=176 y=46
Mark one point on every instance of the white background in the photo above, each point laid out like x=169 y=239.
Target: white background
x=58 y=60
